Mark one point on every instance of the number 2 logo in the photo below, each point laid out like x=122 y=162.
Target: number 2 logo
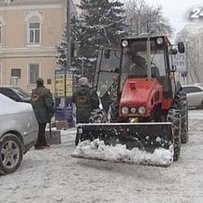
x=196 y=13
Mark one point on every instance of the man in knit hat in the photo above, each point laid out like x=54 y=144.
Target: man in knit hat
x=85 y=99
x=83 y=81
x=43 y=106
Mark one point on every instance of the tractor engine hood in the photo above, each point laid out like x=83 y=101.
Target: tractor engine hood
x=136 y=93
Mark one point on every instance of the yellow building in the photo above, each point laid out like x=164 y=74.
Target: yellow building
x=30 y=30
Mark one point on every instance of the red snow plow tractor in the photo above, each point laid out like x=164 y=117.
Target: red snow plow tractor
x=144 y=107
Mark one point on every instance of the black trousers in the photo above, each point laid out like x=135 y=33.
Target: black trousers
x=41 y=141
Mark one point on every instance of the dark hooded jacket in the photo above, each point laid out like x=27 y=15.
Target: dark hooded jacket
x=85 y=99
x=42 y=103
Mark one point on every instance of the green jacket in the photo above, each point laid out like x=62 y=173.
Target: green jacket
x=85 y=99
x=42 y=103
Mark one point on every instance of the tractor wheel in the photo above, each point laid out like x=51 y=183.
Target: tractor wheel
x=11 y=153
x=174 y=117
x=113 y=112
x=98 y=116
x=184 y=127
x=181 y=104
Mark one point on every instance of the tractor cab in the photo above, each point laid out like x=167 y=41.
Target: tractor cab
x=139 y=57
x=145 y=57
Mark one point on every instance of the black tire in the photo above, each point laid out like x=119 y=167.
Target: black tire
x=184 y=127
x=113 y=112
x=180 y=103
x=11 y=153
x=174 y=117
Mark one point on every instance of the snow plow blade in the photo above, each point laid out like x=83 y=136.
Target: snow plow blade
x=143 y=143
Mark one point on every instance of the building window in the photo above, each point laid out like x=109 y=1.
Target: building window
x=2 y=24
x=34 y=21
x=16 y=72
x=34 y=33
x=14 y=81
x=33 y=73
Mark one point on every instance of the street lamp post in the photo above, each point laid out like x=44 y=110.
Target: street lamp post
x=68 y=55
x=68 y=51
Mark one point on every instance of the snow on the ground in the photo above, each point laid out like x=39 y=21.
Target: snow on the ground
x=195 y=114
x=52 y=176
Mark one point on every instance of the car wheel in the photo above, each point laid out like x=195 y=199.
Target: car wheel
x=11 y=153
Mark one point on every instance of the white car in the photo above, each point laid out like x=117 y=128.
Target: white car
x=18 y=132
x=194 y=95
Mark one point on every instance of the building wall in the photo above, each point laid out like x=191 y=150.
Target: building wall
x=195 y=59
x=16 y=52
x=46 y=70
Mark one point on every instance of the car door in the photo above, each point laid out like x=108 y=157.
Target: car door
x=194 y=96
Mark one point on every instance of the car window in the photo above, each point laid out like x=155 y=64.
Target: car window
x=2 y=91
x=21 y=92
x=9 y=93
x=192 y=89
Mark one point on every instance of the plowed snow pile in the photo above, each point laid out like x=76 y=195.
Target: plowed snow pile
x=118 y=153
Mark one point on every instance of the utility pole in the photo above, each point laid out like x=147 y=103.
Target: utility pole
x=149 y=73
x=83 y=66
x=68 y=33
x=68 y=54
x=68 y=51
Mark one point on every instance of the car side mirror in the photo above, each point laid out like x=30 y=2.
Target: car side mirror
x=173 y=68
x=181 y=47
x=173 y=51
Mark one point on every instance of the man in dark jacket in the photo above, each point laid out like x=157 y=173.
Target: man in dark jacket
x=85 y=99
x=43 y=106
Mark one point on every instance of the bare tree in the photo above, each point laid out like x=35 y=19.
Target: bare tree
x=142 y=18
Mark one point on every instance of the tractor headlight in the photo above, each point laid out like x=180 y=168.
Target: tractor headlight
x=124 y=110
x=124 y=43
x=159 y=40
x=141 y=110
x=133 y=110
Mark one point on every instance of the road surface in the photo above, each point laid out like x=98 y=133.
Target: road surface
x=51 y=176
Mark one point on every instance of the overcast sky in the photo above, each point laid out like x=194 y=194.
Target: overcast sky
x=176 y=10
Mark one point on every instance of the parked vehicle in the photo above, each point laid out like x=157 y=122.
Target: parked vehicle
x=18 y=133
x=199 y=84
x=15 y=93
x=194 y=95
